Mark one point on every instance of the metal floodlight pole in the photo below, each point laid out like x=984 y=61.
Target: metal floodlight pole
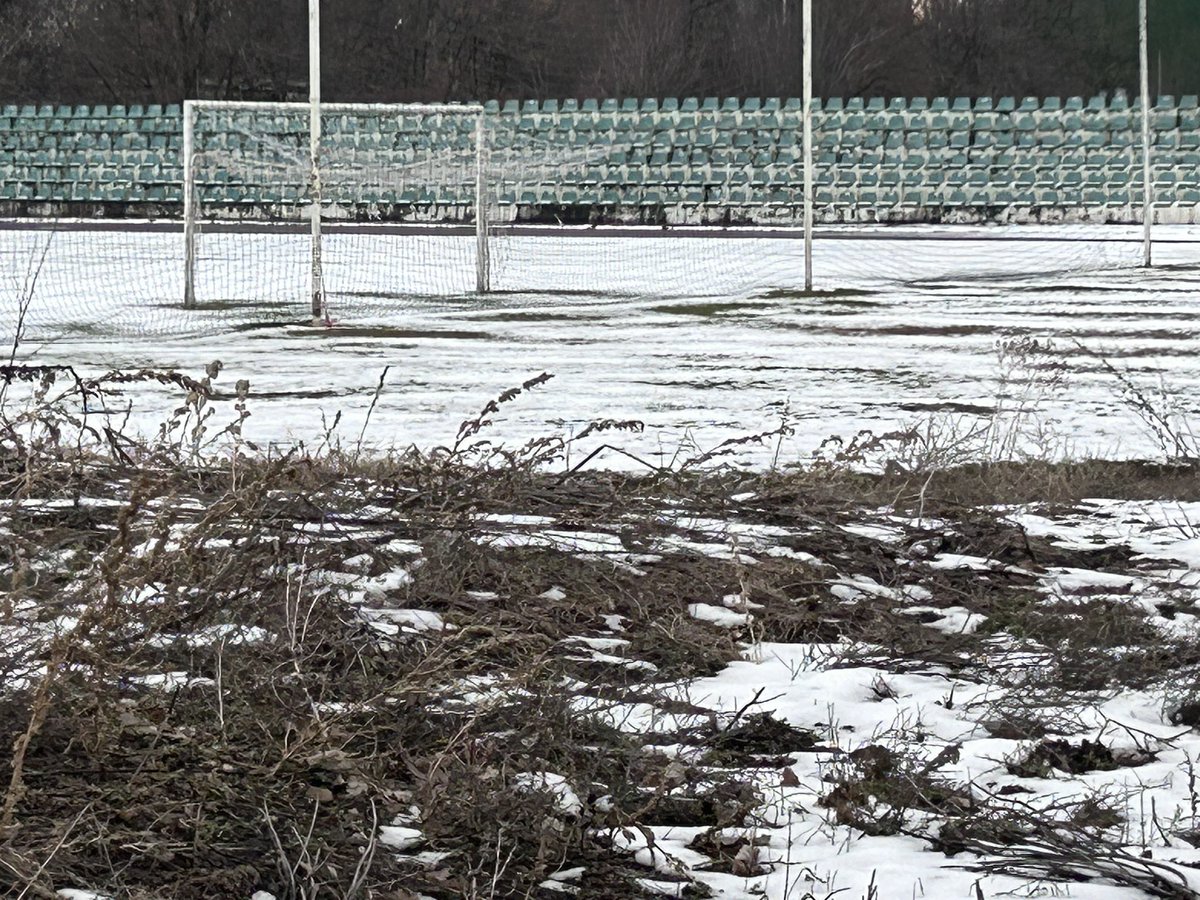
x=808 y=147
x=316 y=284
x=1147 y=176
x=189 y=205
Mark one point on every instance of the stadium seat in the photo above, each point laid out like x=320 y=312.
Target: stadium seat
x=870 y=151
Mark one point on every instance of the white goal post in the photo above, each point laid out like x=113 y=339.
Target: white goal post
x=252 y=161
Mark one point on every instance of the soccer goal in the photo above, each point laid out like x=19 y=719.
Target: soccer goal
x=264 y=214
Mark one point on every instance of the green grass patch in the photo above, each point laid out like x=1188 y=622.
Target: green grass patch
x=388 y=333
x=847 y=294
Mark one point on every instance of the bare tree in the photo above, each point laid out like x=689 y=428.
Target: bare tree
x=991 y=47
x=130 y=51
x=862 y=47
x=31 y=39
x=646 y=53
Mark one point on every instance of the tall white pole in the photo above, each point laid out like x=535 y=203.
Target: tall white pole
x=808 y=147
x=1147 y=176
x=189 y=208
x=316 y=284
x=483 y=278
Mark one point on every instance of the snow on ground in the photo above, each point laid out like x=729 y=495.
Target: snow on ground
x=798 y=848
x=862 y=715
x=699 y=369
x=703 y=340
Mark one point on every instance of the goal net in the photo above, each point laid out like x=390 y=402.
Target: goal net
x=250 y=194
x=423 y=203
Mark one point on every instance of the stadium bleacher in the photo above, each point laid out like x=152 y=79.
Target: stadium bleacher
x=875 y=158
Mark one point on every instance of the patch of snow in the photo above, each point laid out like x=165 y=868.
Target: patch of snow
x=359 y=563
x=516 y=519
x=614 y=622
x=718 y=615
x=387 y=582
x=861 y=585
x=563 y=541
x=556 y=786
x=961 y=561
x=958 y=620
x=788 y=553
x=568 y=874
x=393 y=621
x=607 y=658
x=599 y=643
x=676 y=544
x=917 y=592
x=1071 y=581
x=402 y=547
x=170 y=680
x=740 y=603
x=886 y=534
x=400 y=837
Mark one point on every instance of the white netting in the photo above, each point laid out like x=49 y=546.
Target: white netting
x=399 y=186
x=251 y=174
x=91 y=279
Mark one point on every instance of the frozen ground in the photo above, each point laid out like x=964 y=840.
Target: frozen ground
x=977 y=723
x=702 y=339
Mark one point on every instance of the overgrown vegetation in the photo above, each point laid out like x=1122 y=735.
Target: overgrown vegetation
x=464 y=672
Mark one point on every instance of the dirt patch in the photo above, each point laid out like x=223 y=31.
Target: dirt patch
x=706 y=310
x=1049 y=756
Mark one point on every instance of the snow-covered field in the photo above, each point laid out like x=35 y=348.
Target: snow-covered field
x=702 y=339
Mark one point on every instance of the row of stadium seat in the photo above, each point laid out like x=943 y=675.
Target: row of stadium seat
x=1177 y=149
x=123 y=147
x=924 y=197
x=948 y=152
x=690 y=104
x=249 y=124
x=854 y=104
x=1166 y=179
x=981 y=180
x=915 y=156
x=218 y=121
x=10 y=111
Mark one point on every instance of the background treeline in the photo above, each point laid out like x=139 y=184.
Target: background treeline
x=128 y=51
